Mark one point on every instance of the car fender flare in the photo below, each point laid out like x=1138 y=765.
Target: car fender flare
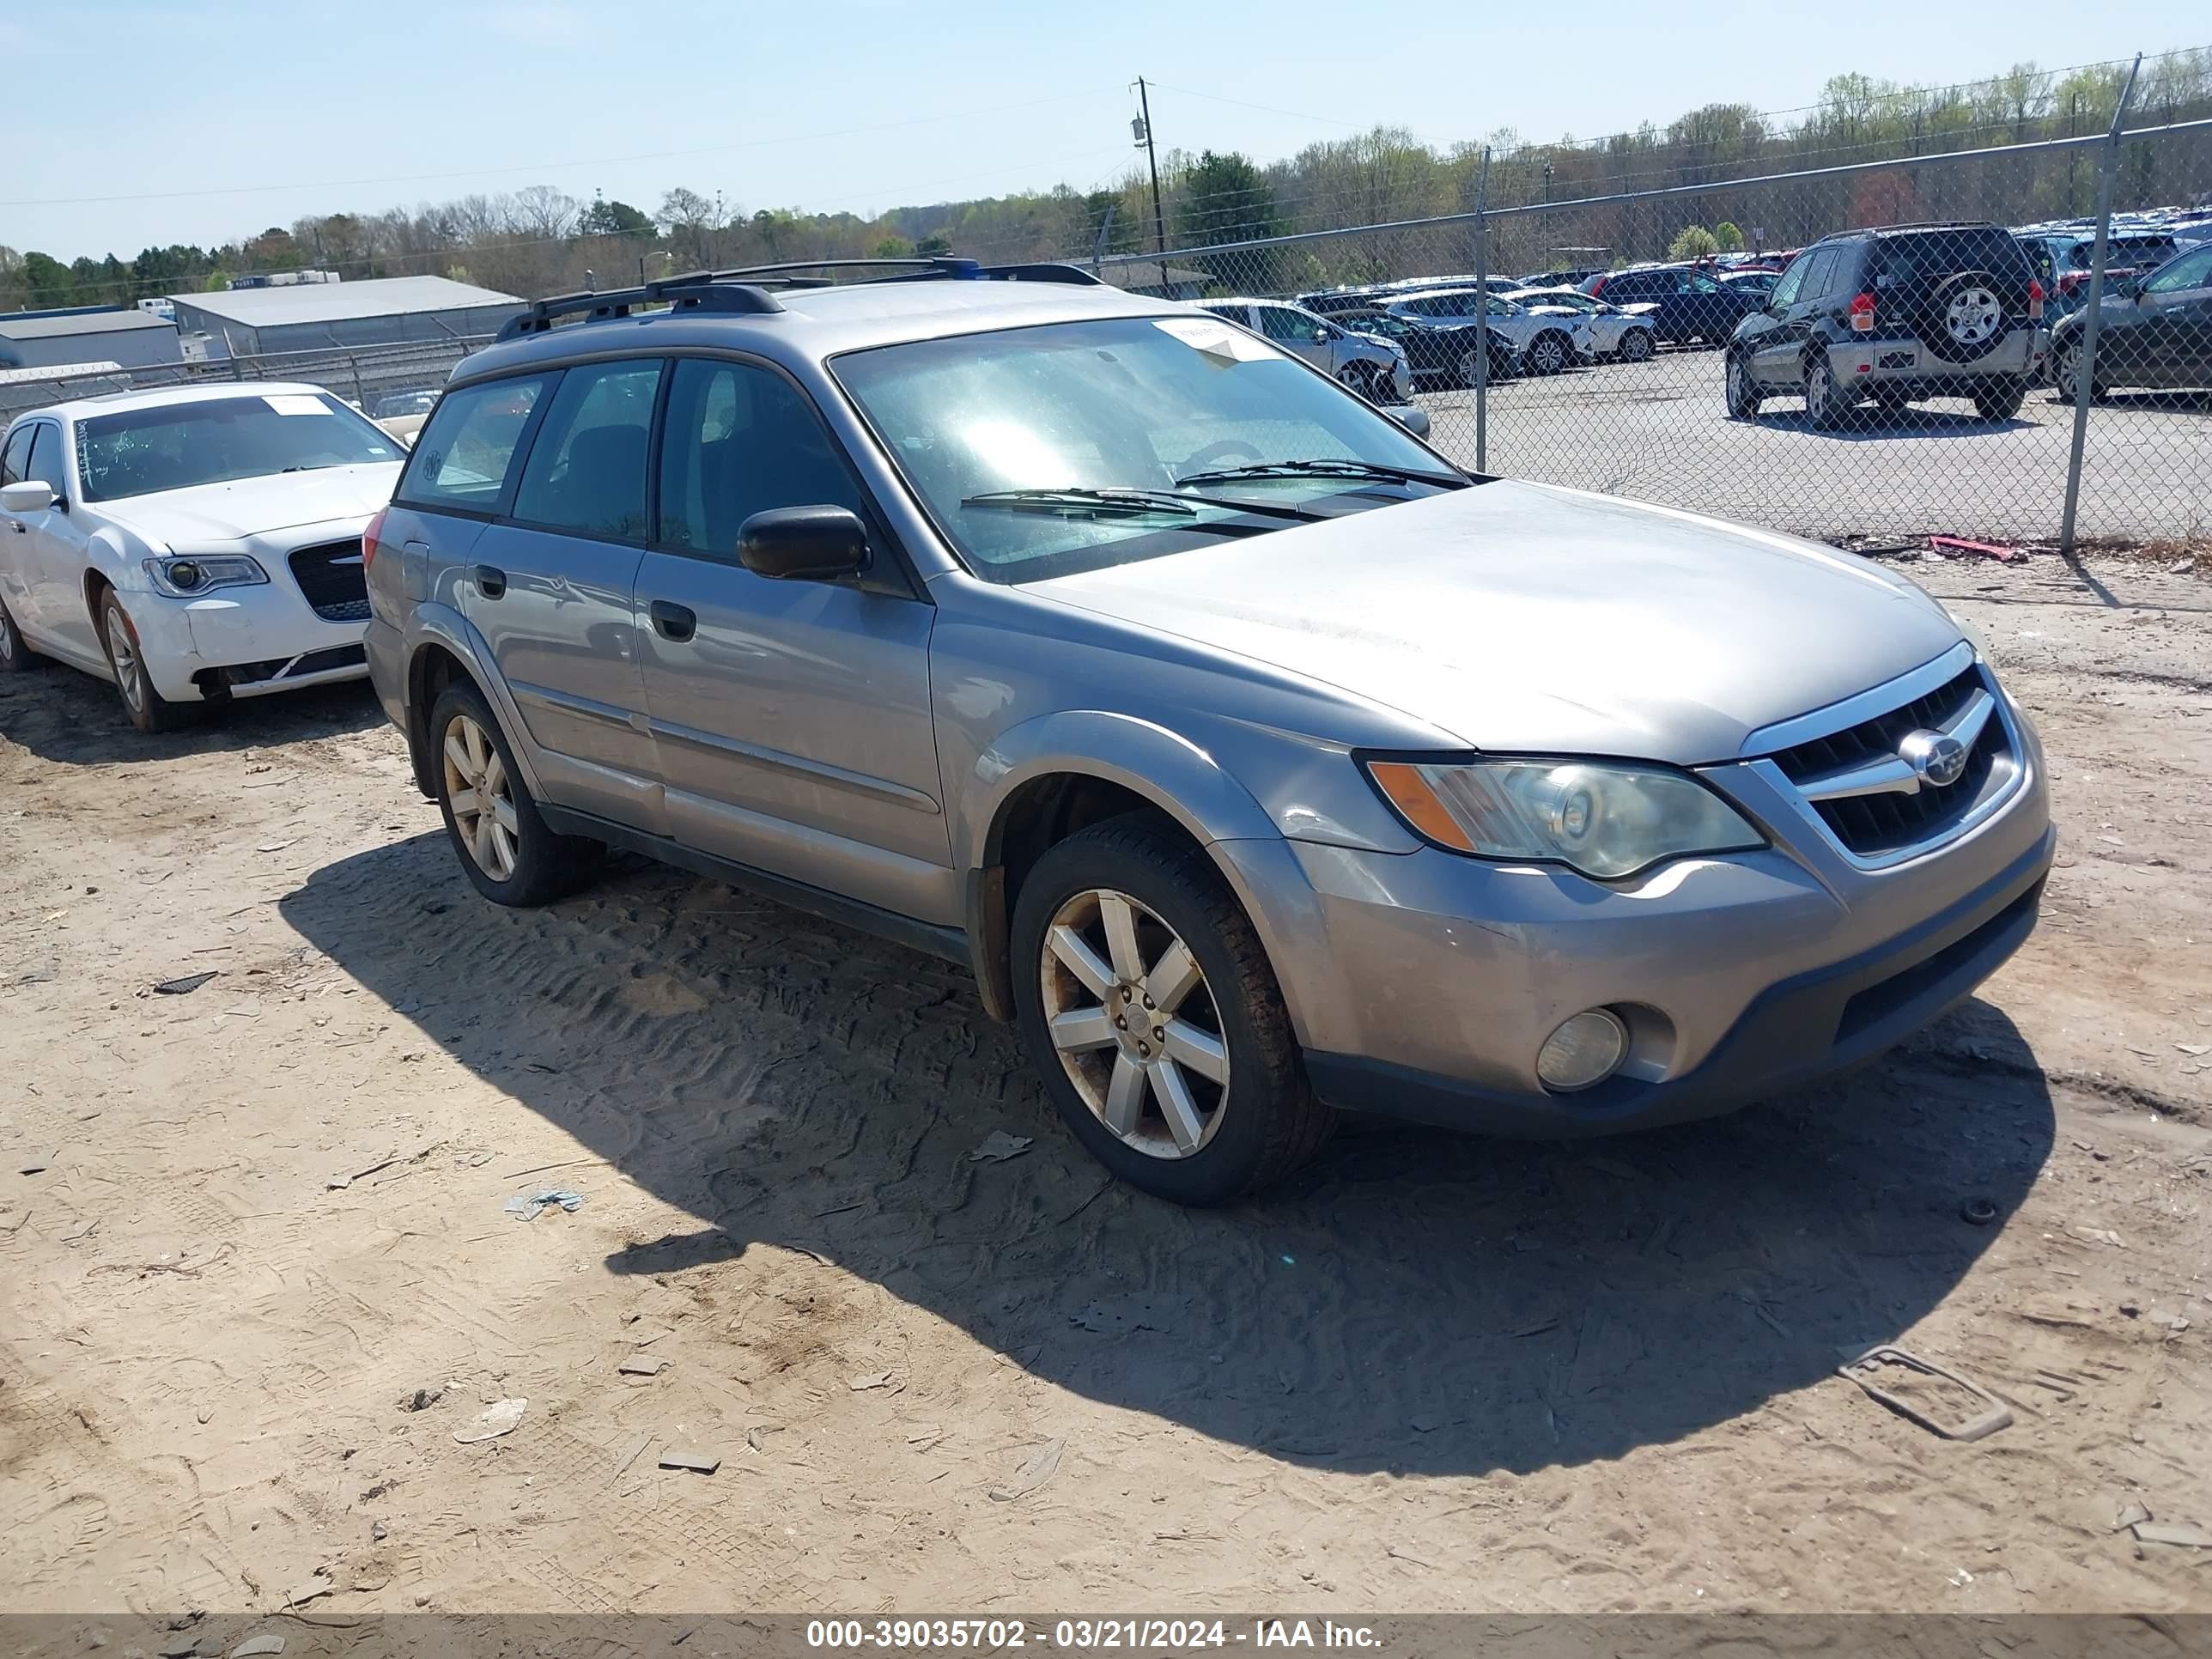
x=1160 y=766
x=441 y=627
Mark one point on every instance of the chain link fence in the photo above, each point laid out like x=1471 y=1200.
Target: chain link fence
x=372 y=378
x=1884 y=386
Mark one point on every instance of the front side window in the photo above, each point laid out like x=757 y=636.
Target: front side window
x=1282 y=323
x=44 y=464
x=1073 y=446
x=586 y=474
x=740 y=439
x=462 y=457
x=1793 y=280
x=143 y=452
x=2193 y=271
x=12 y=456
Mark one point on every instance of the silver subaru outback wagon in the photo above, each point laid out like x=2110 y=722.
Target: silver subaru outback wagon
x=1259 y=760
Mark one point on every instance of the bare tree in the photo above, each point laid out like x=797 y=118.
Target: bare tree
x=544 y=213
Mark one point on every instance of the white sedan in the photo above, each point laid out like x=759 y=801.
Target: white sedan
x=1622 y=333
x=192 y=544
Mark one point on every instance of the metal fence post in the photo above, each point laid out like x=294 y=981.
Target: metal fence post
x=2085 y=375
x=1482 y=283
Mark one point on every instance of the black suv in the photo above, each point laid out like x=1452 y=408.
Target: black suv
x=1894 y=314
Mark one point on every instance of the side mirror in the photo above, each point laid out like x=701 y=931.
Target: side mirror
x=28 y=496
x=803 y=544
x=1323 y=333
x=1413 y=417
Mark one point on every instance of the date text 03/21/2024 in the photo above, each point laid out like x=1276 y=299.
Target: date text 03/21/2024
x=1141 y=1635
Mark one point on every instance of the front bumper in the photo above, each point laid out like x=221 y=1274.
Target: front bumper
x=1424 y=984
x=241 y=642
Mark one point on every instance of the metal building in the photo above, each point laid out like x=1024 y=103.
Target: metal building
x=318 y=316
x=43 y=340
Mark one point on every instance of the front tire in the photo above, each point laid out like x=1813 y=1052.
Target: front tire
x=1743 y=397
x=1358 y=379
x=1550 y=353
x=508 y=851
x=1637 y=346
x=17 y=656
x=147 y=709
x=1147 y=1003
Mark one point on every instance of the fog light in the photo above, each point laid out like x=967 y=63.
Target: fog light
x=1585 y=1050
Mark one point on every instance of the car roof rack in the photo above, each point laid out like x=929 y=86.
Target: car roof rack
x=745 y=290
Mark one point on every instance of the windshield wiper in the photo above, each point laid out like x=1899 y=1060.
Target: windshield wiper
x=1323 y=469
x=1126 y=499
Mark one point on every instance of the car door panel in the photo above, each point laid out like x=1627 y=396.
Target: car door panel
x=551 y=591
x=791 y=718
x=15 y=533
x=56 y=556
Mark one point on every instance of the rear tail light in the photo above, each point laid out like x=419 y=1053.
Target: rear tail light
x=1597 y=287
x=369 y=533
x=1863 y=314
x=2034 y=301
x=2071 y=281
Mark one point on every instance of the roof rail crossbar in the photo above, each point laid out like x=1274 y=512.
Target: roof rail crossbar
x=691 y=290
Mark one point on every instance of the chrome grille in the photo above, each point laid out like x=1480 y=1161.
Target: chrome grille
x=1882 y=821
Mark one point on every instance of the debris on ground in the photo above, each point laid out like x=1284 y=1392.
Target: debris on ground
x=1995 y=1414
x=2132 y=1513
x=338 y=1184
x=527 y=1206
x=998 y=1147
x=636 y=1450
x=870 y=1379
x=320 y=1584
x=1980 y=1212
x=497 y=1419
x=2178 y=1532
x=184 y=987
x=2097 y=1236
x=421 y=1399
x=1040 y=1467
x=642 y=1367
x=1954 y=546
x=258 y=1647
x=37 y=1163
x=692 y=1463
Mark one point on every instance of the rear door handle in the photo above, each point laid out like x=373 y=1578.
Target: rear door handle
x=491 y=581
x=677 y=623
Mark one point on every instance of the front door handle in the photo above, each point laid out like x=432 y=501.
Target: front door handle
x=18 y=527
x=491 y=581
x=677 y=623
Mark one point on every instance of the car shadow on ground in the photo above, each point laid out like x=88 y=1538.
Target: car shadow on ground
x=1915 y=421
x=1414 y=1303
x=74 y=719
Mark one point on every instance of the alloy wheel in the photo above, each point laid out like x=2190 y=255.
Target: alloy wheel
x=1549 y=359
x=122 y=653
x=1973 y=317
x=9 y=643
x=1135 y=1024
x=482 y=797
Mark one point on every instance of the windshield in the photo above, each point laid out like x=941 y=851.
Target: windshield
x=143 y=452
x=1001 y=434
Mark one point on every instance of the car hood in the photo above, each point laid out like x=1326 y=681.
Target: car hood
x=1639 y=308
x=246 y=508
x=1515 y=616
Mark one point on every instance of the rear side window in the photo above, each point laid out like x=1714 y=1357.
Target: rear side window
x=586 y=473
x=461 y=459
x=44 y=462
x=739 y=440
x=11 y=458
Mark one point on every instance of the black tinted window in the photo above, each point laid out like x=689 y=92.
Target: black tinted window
x=1928 y=256
x=44 y=462
x=11 y=459
x=462 y=456
x=586 y=469
x=740 y=439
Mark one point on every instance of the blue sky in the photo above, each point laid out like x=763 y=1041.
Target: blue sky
x=193 y=109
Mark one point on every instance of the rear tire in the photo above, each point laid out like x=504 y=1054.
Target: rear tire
x=1183 y=1136
x=505 y=847
x=2001 y=402
x=146 y=708
x=17 y=656
x=1826 y=405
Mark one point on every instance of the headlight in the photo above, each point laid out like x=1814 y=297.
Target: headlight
x=1607 y=821
x=187 y=576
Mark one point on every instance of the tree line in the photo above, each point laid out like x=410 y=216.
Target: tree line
x=540 y=239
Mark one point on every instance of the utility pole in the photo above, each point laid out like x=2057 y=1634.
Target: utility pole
x=1160 y=219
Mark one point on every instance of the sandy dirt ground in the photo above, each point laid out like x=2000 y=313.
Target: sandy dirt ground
x=258 y=1286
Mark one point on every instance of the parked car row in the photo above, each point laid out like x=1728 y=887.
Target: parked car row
x=934 y=605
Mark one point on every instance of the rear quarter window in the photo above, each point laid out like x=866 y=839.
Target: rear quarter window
x=466 y=449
